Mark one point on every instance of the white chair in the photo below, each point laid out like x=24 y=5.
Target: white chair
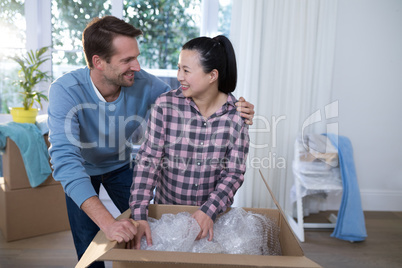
x=316 y=173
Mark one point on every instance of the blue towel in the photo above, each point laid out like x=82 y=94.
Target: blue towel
x=350 y=224
x=33 y=149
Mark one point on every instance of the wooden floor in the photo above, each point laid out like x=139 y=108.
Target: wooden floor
x=382 y=248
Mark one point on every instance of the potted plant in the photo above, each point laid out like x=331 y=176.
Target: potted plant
x=29 y=76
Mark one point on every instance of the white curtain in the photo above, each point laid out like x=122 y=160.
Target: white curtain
x=285 y=53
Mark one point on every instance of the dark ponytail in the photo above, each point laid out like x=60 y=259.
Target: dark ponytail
x=217 y=53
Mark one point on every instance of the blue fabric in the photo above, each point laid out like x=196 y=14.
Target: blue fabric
x=91 y=137
x=350 y=224
x=33 y=149
x=117 y=184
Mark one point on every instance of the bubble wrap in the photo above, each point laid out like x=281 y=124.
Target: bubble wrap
x=172 y=232
x=235 y=232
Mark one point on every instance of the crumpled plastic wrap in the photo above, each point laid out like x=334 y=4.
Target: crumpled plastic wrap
x=235 y=232
x=172 y=232
x=315 y=167
x=315 y=178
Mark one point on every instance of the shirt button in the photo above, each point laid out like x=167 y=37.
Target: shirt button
x=202 y=143
x=198 y=163
x=196 y=185
x=205 y=124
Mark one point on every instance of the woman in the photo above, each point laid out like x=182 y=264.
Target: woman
x=196 y=142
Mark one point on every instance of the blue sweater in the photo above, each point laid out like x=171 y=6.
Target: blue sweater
x=90 y=137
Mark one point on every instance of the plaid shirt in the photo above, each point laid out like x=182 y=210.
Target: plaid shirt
x=189 y=159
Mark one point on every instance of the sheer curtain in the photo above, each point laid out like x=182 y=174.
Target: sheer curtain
x=285 y=53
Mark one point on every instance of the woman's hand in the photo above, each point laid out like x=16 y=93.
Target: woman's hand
x=143 y=229
x=206 y=224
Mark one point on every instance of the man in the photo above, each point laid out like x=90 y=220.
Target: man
x=93 y=113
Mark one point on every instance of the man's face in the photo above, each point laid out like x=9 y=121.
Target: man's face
x=124 y=62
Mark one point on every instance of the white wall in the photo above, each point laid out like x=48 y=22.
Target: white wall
x=367 y=82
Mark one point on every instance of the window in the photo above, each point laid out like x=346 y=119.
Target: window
x=224 y=17
x=12 y=27
x=167 y=25
x=69 y=19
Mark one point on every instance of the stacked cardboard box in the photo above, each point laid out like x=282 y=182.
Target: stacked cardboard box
x=26 y=211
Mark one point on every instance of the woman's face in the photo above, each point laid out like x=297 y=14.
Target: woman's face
x=194 y=81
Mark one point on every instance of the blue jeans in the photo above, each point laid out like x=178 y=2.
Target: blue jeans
x=117 y=184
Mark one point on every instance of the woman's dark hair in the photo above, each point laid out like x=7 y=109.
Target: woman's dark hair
x=97 y=38
x=217 y=53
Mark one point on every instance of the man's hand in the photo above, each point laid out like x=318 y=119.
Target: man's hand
x=122 y=230
x=246 y=110
x=206 y=224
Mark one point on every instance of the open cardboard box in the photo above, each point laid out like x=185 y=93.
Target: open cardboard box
x=102 y=249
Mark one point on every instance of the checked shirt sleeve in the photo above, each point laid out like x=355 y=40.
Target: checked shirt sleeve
x=231 y=177
x=147 y=165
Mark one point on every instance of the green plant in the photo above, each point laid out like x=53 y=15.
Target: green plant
x=30 y=75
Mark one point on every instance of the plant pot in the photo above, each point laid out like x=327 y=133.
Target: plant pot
x=20 y=115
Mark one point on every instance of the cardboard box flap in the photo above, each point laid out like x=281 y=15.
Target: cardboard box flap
x=270 y=192
x=286 y=234
x=96 y=249
x=99 y=245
